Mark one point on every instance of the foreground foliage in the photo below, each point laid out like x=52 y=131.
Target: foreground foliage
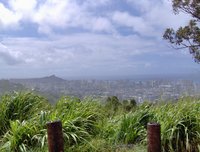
x=89 y=125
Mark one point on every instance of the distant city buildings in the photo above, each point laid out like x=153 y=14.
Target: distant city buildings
x=147 y=90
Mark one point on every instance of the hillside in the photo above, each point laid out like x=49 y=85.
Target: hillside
x=48 y=79
x=8 y=86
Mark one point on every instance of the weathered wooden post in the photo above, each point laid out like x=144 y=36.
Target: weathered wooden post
x=153 y=137
x=55 y=136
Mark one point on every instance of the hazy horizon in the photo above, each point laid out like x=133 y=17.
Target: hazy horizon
x=136 y=77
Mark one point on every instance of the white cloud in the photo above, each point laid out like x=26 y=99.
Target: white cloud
x=8 y=56
x=85 y=54
x=8 y=18
x=53 y=14
x=165 y=17
x=24 y=7
x=18 y=10
x=50 y=15
x=79 y=51
x=158 y=15
x=68 y=14
x=138 y=24
x=143 y=6
x=94 y=24
x=102 y=24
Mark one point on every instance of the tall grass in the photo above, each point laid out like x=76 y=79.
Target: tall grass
x=20 y=106
x=79 y=119
x=89 y=125
x=19 y=115
x=132 y=128
x=180 y=124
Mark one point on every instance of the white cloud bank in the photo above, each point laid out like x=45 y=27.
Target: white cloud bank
x=51 y=14
x=101 y=46
x=86 y=54
x=78 y=48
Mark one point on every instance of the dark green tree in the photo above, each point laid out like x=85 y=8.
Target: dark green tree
x=113 y=103
x=133 y=102
x=189 y=35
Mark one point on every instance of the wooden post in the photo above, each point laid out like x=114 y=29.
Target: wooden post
x=153 y=137
x=55 y=136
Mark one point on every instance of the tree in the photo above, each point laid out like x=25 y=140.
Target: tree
x=129 y=104
x=188 y=36
x=133 y=102
x=113 y=103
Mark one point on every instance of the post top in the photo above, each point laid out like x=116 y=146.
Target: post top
x=153 y=124
x=54 y=122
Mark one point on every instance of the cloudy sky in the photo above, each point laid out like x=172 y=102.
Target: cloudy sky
x=89 y=38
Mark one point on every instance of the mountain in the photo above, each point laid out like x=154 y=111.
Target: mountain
x=48 y=79
x=50 y=87
x=7 y=86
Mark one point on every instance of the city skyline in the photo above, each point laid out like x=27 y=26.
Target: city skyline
x=151 y=90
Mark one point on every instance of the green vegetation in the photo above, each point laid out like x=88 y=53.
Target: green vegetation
x=91 y=126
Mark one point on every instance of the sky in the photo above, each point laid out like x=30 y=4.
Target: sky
x=80 y=38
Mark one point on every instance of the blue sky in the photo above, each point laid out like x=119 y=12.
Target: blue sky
x=89 y=38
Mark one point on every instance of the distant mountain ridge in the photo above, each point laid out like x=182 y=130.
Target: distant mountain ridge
x=48 y=79
x=7 y=86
